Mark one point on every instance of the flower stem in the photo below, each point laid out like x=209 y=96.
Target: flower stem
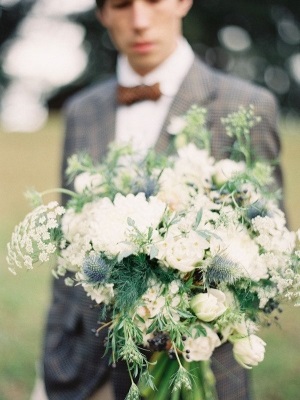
x=58 y=190
x=177 y=356
x=104 y=326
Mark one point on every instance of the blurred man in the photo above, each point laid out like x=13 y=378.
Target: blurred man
x=153 y=53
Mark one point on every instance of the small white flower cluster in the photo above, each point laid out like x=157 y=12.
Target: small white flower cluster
x=36 y=238
x=101 y=294
x=160 y=300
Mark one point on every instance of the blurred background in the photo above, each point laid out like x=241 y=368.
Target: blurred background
x=51 y=49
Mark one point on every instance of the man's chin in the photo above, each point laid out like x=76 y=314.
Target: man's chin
x=145 y=63
x=143 y=68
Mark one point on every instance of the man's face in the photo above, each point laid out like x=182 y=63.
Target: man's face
x=146 y=31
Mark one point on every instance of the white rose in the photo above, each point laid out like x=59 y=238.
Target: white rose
x=87 y=181
x=183 y=254
x=200 y=348
x=226 y=169
x=249 y=351
x=209 y=306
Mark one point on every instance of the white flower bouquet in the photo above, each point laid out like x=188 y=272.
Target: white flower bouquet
x=183 y=252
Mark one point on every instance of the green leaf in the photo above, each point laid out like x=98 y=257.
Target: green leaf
x=198 y=219
x=130 y=221
x=153 y=252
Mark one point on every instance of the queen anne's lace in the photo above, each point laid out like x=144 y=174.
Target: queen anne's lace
x=36 y=238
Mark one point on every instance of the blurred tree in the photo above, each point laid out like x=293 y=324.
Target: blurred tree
x=10 y=16
x=257 y=40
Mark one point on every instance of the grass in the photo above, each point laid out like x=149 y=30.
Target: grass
x=32 y=160
x=26 y=160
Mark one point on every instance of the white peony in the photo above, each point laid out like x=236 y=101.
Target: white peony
x=200 y=348
x=145 y=213
x=209 y=306
x=249 y=351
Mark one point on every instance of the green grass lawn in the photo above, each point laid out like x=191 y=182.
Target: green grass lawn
x=32 y=160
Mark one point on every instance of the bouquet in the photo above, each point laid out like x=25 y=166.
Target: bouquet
x=183 y=252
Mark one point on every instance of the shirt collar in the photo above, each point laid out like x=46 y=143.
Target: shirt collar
x=169 y=74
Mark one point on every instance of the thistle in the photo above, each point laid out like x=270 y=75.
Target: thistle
x=145 y=184
x=258 y=208
x=96 y=268
x=223 y=270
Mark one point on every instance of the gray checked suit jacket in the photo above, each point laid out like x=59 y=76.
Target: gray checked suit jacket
x=74 y=365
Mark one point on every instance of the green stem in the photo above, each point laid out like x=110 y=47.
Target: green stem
x=177 y=356
x=104 y=326
x=58 y=190
x=130 y=374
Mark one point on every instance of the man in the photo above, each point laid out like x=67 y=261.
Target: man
x=147 y=34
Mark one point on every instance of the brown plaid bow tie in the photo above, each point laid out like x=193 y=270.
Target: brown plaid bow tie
x=130 y=95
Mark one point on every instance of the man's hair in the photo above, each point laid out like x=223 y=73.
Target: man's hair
x=100 y=3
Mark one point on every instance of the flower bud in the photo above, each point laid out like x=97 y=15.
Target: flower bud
x=249 y=351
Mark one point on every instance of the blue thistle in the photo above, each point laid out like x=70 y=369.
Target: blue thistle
x=96 y=268
x=222 y=270
x=146 y=185
x=258 y=208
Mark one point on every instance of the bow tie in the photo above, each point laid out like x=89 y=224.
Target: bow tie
x=130 y=95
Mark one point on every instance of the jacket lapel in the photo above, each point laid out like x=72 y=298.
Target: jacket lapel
x=197 y=88
x=106 y=119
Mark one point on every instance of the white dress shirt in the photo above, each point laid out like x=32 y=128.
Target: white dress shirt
x=141 y=123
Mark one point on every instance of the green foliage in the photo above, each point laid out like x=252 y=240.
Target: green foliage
x=238 y=126
x=77 y=164
x=249 y=302
x=131 y=277
x=195 y=130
